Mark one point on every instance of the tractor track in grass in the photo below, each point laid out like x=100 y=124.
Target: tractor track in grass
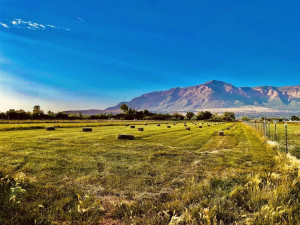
x=183 y=134
x=204 y=134
x=259 y=155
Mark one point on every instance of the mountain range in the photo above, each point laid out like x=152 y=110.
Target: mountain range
x=218 y=95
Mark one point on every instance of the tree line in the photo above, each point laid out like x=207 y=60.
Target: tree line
x=127 y=114
x=247 y=119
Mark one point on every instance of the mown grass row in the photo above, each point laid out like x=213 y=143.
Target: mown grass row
x=41 y=125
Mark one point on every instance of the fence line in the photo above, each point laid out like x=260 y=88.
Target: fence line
x=264 y=128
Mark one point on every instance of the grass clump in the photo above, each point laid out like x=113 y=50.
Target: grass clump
x=257 y=198
x=22 y=202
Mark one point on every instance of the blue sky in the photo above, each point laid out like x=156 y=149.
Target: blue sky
x=84 y=54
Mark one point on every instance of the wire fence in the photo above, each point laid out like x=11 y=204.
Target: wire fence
x=284 y=136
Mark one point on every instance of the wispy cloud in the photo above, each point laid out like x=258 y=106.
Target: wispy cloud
x=4 y=25
x=82 y=20
x=23 y=24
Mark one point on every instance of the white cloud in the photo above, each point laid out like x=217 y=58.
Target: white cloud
x=22 y=24
x=4 y=25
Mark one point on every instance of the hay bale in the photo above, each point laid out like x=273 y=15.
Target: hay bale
x=227 y=128
x=50 y=128
x=132 y=126
x=185 y=125
x=174 y=124
x=146 y=124
x=158 y=125
x=166 y=123
x=221 y=133
x=168 y=126
x=188 y=128
x=125 y=137
x=208 y=125
x=126 y=125
x=140 y=129
x=87 y=129
x=200 y=126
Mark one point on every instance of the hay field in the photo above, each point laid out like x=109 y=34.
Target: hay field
x=164 y=176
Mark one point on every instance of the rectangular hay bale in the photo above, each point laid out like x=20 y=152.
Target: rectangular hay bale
x=125 y=137
x=50 y=128
x=87 y=129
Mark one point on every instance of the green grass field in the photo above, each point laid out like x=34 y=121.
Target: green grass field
x=164 y=176
x=293 y=137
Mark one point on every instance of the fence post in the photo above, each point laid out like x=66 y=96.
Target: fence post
x=269 y=130
x=260 y=127
x=266 y=129
x=286 y=138
x=275 y=131
x=265 y=125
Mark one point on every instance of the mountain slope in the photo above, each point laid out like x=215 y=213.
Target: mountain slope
x=217 y=94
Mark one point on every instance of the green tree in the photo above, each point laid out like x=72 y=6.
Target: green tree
x=204 y=115
x=12 y=114
x=37 y=113
x=190 y=115
x=36 y=109
x=178 y=116
x=245 y=118
x=228 y=116
x=216 y=117
x=124 y=107
x=146 y=112
x=22 y=115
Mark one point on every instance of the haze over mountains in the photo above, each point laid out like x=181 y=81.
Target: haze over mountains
x=215 y=95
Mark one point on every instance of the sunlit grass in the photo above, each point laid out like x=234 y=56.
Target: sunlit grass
x=164 y=175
